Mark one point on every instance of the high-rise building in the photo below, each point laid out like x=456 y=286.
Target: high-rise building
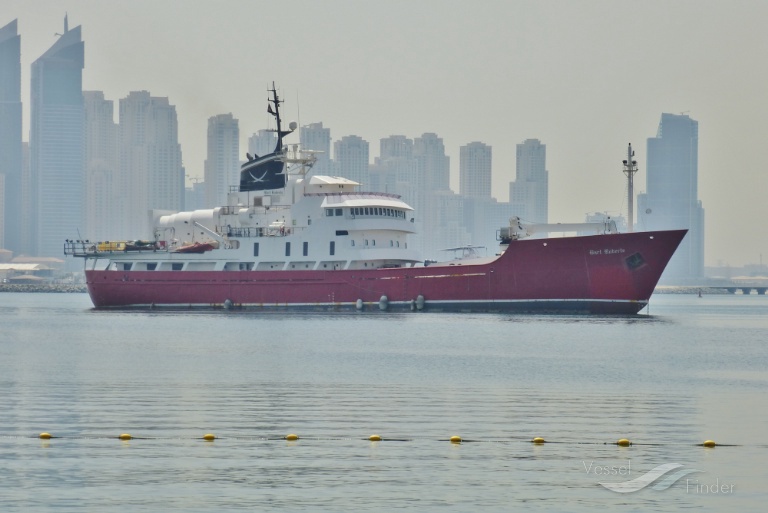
x=475 y=161
x=529 y=193
x=262 y=142
x=440 y=209
x=316 y=138
x=396 y=171
x=671 y=198
x=10 y=137
x=151 y=169
x=396 y=146
x=102 y=193
x=351 y=160
x=429 y=150
x=222 y=167
x=57 y=169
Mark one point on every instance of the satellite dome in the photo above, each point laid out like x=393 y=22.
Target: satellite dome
x=292 y=125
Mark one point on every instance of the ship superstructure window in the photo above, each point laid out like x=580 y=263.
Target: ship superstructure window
x=333 y=247
x=151 y=266
x=377 y=211
x=339 y=212
x=255 y=249
x=177 y=266
x=342 y=232
x=287 y=249
x=305 y=249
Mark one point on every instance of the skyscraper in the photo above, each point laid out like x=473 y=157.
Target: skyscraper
x=429 y=150
x=222 y=167
x=262 y=142
x=351 y=159
x=150 y=160
x=529 y=193
x=671 y=198
x=475 y=161
x=317 y=138
x=10 y=137
x=440 y=209
x=57 y=170
x=396 y=171
x=102 y=193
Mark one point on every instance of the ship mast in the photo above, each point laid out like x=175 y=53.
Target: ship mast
x=630 y=168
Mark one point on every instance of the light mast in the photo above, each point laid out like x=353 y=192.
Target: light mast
x=630 y=168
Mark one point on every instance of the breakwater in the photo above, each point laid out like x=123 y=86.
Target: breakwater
x=43 y=287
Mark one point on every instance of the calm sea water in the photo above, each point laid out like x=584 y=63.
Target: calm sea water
x=692 y=370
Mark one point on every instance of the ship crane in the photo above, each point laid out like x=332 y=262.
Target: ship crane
x=519 y=229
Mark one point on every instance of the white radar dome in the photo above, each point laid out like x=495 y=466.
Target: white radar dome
x=292 y=125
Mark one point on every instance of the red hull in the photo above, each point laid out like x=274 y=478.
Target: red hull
x=594 y=274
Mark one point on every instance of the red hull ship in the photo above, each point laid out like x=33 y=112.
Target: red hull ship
x=290 y=239
x=600 y=274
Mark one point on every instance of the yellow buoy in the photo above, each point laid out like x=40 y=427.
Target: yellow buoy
x=209 y=437
x=623 y=443
x=455 y=439
x=374 y=438
x=708 y=443
x=125 y=436
x=291 y=437
x=538 y=440
x=45 y=436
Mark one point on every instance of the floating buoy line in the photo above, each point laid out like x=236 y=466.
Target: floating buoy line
x=293 y=437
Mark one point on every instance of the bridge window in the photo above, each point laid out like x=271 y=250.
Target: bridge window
x=339 y=212
x=329 y=212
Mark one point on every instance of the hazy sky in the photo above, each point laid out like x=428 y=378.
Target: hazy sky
x=584 y=77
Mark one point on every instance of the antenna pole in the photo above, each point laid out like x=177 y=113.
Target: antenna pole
x=630 y=168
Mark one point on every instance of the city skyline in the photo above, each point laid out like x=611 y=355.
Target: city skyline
x=570 y=75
